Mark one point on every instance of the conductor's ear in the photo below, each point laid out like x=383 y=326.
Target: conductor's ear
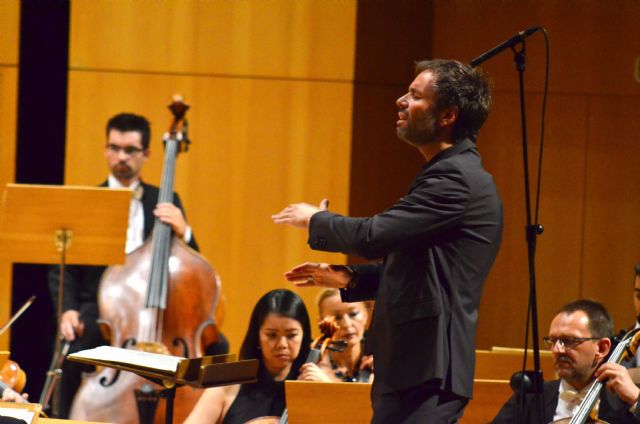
x=448 y=116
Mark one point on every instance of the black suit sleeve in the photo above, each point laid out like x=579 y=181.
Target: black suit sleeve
x=366 y=283
x=436 y=203
x=192 y=243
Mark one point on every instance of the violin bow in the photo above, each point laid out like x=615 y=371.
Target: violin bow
x=17 y=314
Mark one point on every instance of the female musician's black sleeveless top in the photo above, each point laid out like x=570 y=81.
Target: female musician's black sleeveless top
x=264 y=398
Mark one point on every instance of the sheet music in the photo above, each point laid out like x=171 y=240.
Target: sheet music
x=22 y=414
x=117 y=355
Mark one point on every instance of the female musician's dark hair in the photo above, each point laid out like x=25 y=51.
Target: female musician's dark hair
x=130 y=122
x=600 y=322
x=637 y=270
x=281 y=302
x=460 y=86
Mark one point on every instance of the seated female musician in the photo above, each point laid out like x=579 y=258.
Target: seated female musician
x=349 y=365
x=278 y=336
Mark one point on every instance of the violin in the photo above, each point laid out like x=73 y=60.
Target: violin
x=12 y=376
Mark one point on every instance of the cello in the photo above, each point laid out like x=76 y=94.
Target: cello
x=162 y=300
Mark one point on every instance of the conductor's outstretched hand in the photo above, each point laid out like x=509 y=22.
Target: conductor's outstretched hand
x=312 y=274
x=299 y=214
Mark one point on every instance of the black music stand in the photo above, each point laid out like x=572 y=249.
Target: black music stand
x=204 y=372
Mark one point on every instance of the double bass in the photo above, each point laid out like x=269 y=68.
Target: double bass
x=162 y=300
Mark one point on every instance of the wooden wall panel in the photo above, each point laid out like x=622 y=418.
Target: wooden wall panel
x=382 y=167
x=589 y=187
x=611 y=246
x=558 y=259
x=259 y=142
x=276 y=38
x=594 y=44
x=9 y=22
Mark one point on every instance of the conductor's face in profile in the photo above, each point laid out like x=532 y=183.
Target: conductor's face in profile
x=125 y=155
x=418 y=112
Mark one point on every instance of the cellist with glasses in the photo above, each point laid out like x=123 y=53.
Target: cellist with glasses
x=580 y=341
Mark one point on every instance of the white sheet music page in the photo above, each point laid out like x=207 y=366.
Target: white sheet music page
x=118 y=355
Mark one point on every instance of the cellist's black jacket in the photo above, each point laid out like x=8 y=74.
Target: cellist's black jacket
x=438 y=243
x=612 y=408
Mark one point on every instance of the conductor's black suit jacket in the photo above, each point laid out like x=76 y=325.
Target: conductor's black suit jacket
x=438 y=243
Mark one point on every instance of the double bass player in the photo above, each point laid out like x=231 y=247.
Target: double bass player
x=126 y=151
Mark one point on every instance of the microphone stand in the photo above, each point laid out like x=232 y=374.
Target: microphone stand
x=532 y=231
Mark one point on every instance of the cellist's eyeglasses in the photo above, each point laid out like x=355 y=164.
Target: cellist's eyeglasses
x=129 y=150
x=566 y=342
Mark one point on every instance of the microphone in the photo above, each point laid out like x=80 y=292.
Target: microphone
x=519 y=37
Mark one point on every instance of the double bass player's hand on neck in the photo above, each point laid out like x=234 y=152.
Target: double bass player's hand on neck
x=171 y=215
x=617 y=380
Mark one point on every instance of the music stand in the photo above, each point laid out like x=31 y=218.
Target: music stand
x=62 y=225
x=204 y=372
x=310 y=402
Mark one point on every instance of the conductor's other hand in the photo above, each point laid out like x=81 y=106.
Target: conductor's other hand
x=299 y=214
x=311 y=274
x=71 y=325
x=170 y=214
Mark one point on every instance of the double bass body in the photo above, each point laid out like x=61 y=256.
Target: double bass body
x=109 y=396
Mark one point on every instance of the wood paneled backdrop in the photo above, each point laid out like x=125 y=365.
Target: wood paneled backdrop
x=272 y=91
x=9 y=22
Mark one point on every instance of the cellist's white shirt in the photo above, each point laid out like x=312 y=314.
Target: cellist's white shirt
x=135 y=229
x=569 y=400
